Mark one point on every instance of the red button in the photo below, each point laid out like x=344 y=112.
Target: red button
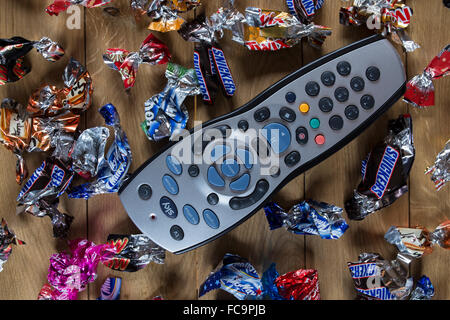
x=320 y=139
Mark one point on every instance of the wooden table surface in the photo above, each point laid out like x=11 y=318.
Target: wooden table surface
x=331 y=181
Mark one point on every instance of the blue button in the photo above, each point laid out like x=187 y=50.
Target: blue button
x=230 y=167
x=211 y=219
x=290 y=97
x=170 y=184
x=191 y=214
x=168 y=207
x=278 y=136
x=219 y=151
x=214 y=178
x=246 y=157
x=241 y=183
x=174 y=165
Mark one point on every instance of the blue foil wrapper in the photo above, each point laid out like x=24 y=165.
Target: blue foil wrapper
x=270 y=289
x=424 y=289
x=111 y=289
x=235 y=275
x=308 y=218
x=114 y=167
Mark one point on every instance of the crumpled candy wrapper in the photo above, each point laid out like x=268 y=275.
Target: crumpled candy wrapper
x=416 y=242
x=7 y=239
x=113 y=168
x=384 y=171
x=308 y=218
x=13 y=51
x=133 y=252
x=152 y=51
x=391 y=17
x=238 y=277
x=111 y=289
x=424 y=289
x=70 y=273
x=440 y=171
x=62 y=5
x=378 y=279
x=304 y=10
x=420 y=89
x=165 y=113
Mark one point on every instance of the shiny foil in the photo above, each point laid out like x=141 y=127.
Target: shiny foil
x=7 y=239
x=165 y=13
x=62 y=5
x=440 y=171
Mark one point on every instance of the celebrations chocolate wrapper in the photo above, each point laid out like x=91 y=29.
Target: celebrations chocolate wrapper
x=424 y=289
x=308 y=218
x=62 y=5
x=440 y=171
x=13 y=51
x=390 y=17
x=420 y=89
x=152 y=51
x=7 y=239
x=165 y=13
x=111 y=289
x=384 y=171
x=133 y=252
x=165 y=113
x=114 y=166
x=304 y=10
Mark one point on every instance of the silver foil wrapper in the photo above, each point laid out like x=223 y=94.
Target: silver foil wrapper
x=440 y=171
x=49 y=49
x=7 y=239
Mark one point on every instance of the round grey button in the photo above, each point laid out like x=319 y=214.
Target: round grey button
x=177 y=233
x=328 y=78
x=351 y=112
x=144 y=191
x=193 y=170
x=367 y=101
x=357 y=84
x=312 y=88
x=344 y=68
x=341 y=94
x=336 y=122
x=326 y=104
x=243 y=125
x=373 y=73
x=212 y=199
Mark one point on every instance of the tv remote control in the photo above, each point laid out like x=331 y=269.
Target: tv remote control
x=217 y=176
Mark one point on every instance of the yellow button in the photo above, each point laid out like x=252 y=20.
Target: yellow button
x=304 y=108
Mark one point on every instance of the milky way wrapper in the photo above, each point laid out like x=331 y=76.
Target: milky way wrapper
x=165 y=113
x=116 y=162
x=384 y=171
x=62 y=5
x=165 y=13
x=420 y=89
x=152 y=51
x=13 y=51
x=7 y=239
x=308 y=218
x=133 y=252
x=440 y=171
x=110 y=289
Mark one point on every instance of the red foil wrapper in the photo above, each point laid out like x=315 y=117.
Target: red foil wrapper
x=299 y=285
x=62 y=5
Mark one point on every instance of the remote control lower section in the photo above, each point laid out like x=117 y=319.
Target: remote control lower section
x=217 y=176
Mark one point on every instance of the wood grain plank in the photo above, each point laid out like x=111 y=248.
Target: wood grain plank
x=431 y=131
x=26 y=270
x=335 y=178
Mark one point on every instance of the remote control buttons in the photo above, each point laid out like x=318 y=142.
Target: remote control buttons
x=367 y=102
x=328 y=78
x=341 y=94
x=214 y=178
x=168 y=207
x=304 y=107
x=240 y=184
x=357 y=84
x=144 y=191
x=191 y=214
x=212 y=199
x=290 y=97
x=230 y=168
x=351 y=112
x=177 y=233
x=211 y=219
x=312 y=88
x=237 y=203
x=320 y=139
x=287 y=114
x=219 y=151
x=301 y=135
x=278 y=136
x=292 y=158
x=246 y=157
x=336 y=123
x=193 y=170
x=314 y=123
x=373 y=73
x=262 y=114
x=174 y=165
x=243 y=125
x=170 y=184
x=326 y=104
x=274 y=171
x=225 y=130
x=344 y=68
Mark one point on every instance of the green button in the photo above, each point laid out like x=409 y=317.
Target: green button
x=314 y=123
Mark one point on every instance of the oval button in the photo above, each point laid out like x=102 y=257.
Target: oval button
x=191 y=214
x=174 y=165
x=211 y=219
x=170 y=184
x=168 y=207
